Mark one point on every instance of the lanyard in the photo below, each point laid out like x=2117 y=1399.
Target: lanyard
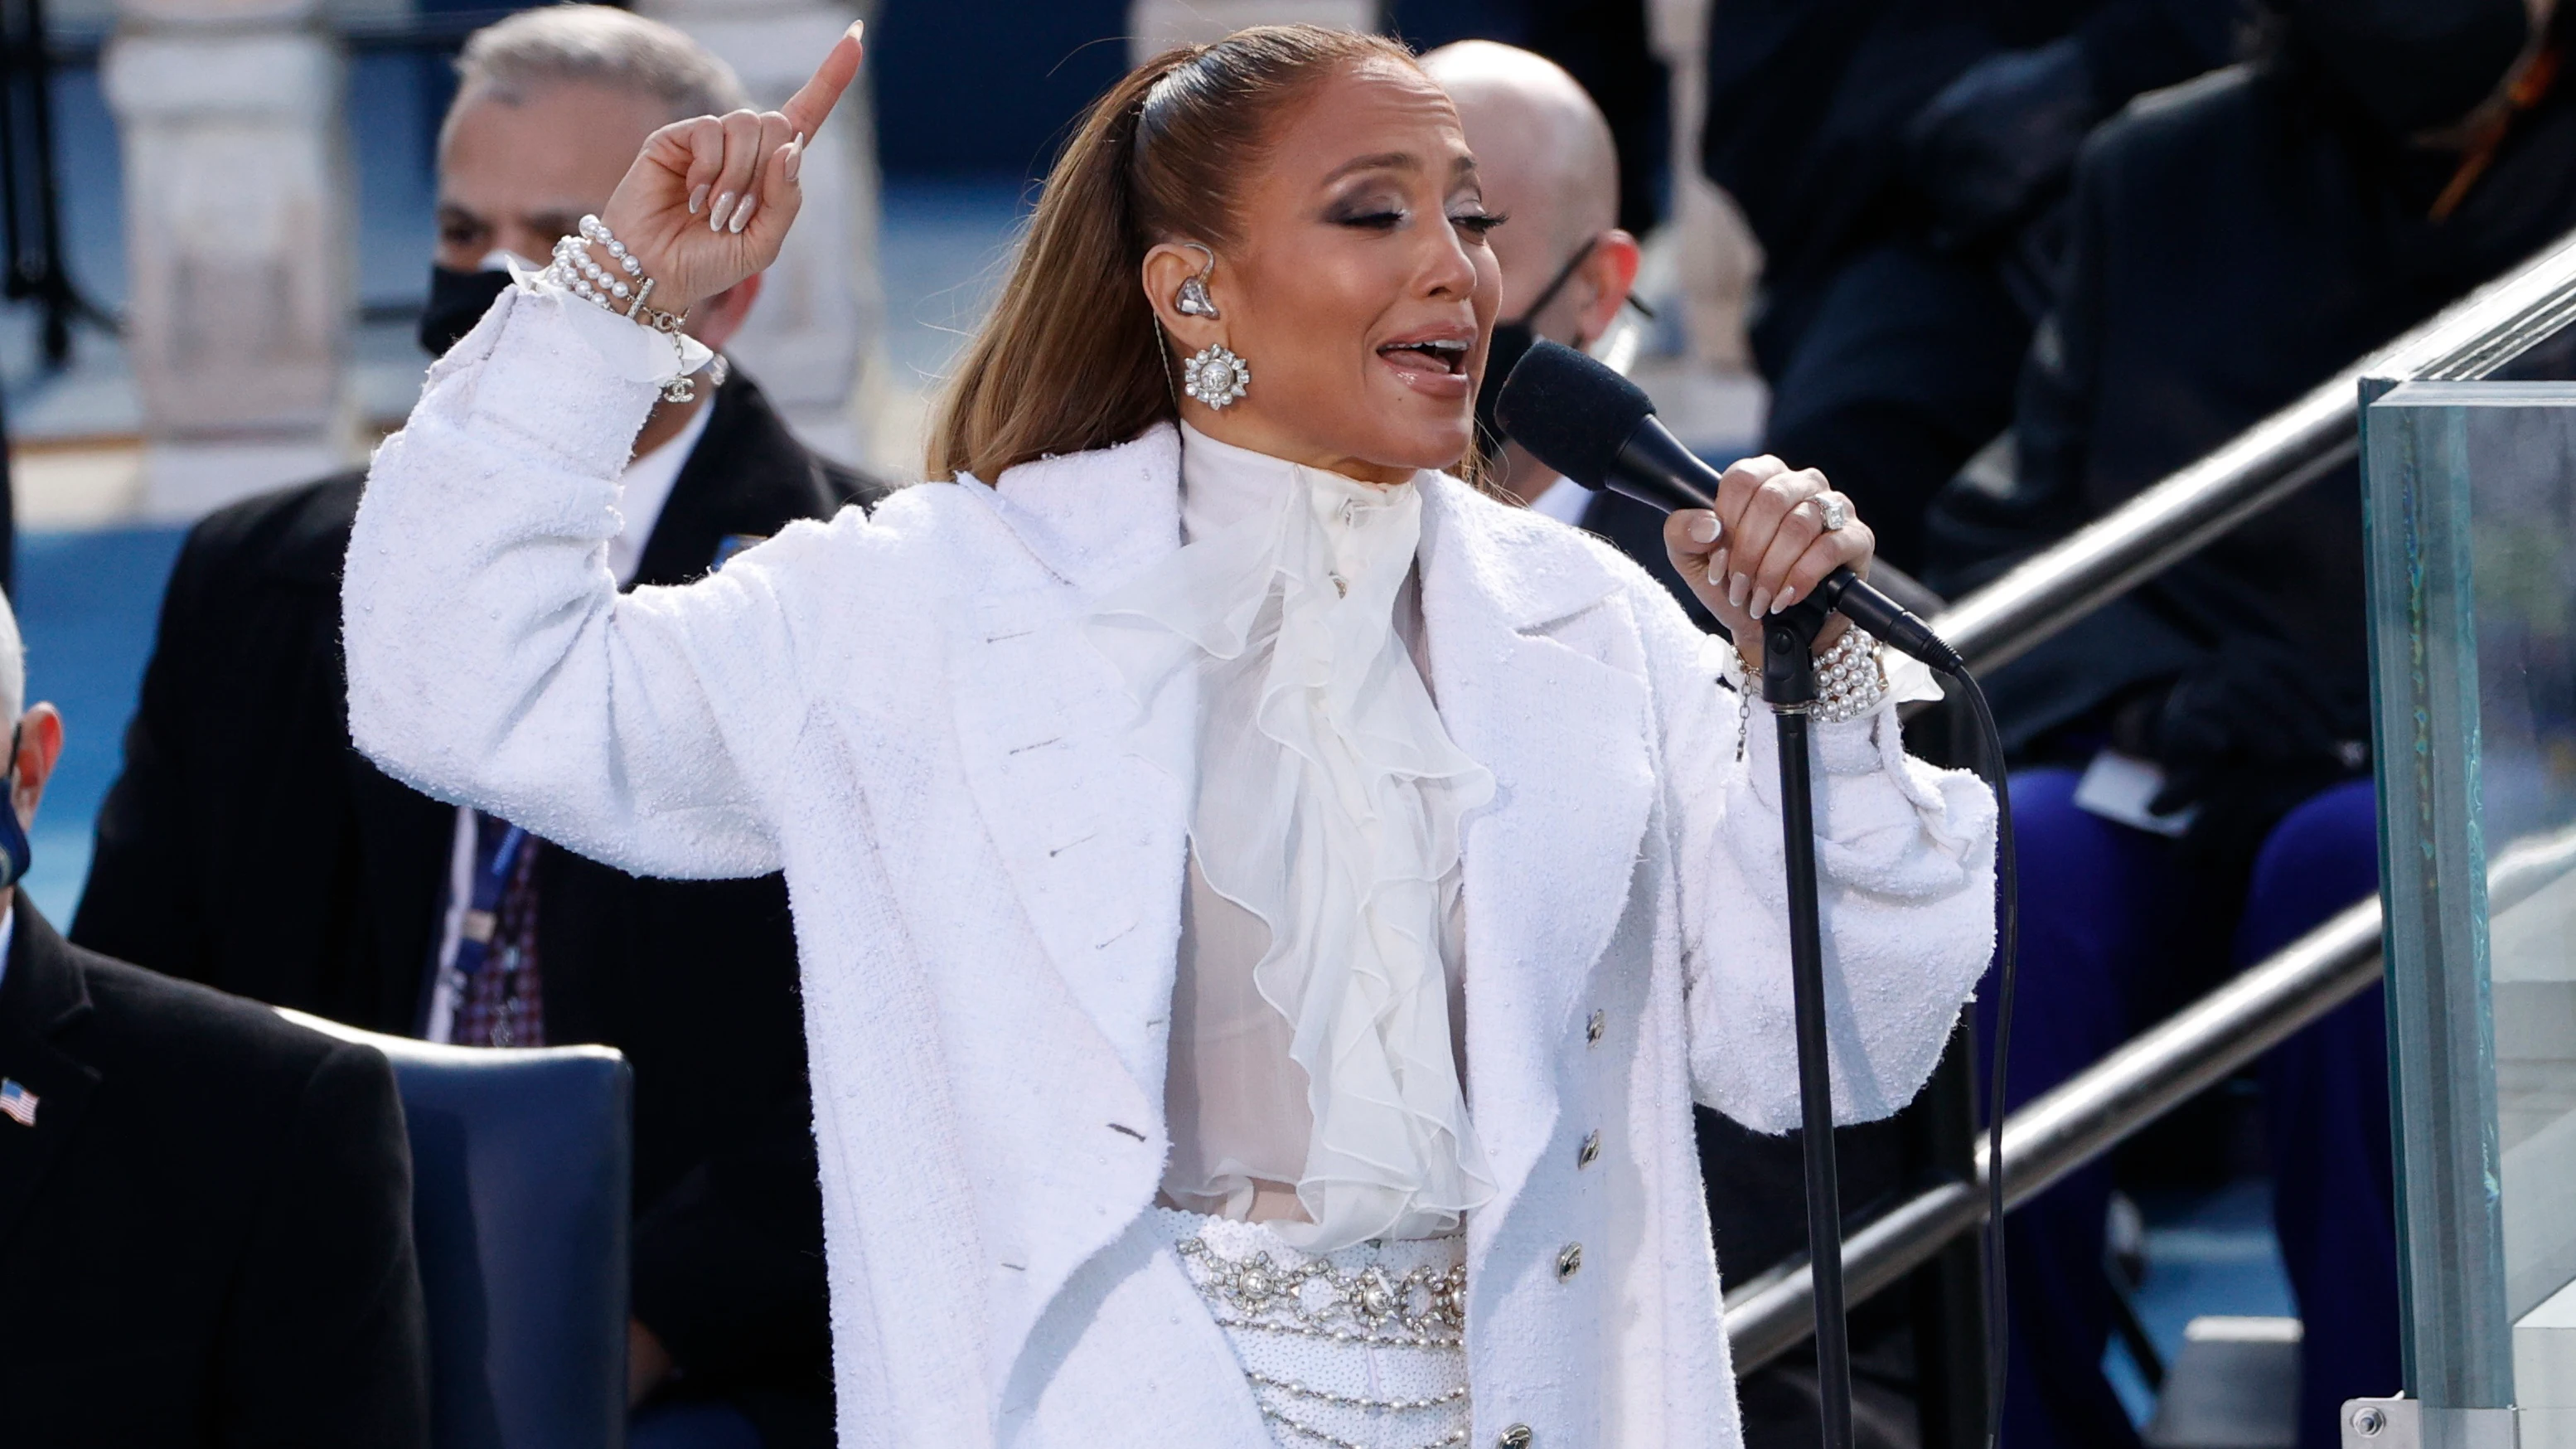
x=483 y=909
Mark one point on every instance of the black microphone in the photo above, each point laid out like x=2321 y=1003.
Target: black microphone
x=1587 y=422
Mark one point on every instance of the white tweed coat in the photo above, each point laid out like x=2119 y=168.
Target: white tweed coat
x=987 y=881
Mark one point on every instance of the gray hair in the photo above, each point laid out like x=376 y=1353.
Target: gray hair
x=600 y=45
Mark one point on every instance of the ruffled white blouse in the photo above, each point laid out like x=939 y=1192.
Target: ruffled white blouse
x=1314 y=1072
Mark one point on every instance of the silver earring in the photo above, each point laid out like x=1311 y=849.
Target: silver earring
x=1192 y=300
x=1217 y=377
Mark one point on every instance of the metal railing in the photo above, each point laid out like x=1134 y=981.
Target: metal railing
x=2079 y=1121
x=2230 y=1027
x=2262 y=466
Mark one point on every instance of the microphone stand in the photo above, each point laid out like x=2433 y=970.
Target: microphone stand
x=1789 y=687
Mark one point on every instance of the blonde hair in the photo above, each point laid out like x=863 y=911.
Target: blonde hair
x=1071 y=358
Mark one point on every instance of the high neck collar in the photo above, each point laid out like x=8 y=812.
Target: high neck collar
x=1223 y=484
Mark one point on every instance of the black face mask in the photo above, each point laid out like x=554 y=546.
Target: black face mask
x=15 y=854
x=457 y=300
x=1511 y=341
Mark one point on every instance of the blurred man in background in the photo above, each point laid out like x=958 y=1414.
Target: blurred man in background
x=1901 y=162
x=248 y=847
x=2204 y=796
x=205 y=1213
x=1545 y=159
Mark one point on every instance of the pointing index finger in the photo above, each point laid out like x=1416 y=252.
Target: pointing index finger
x=813 y=101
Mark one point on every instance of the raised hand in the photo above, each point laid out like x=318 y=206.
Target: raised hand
x=1765 y=547
x=709 y=200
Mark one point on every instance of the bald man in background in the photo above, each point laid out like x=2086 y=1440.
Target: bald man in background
x=1546 y=160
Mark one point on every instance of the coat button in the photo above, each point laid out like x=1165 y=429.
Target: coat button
x=1592 y=1029
x=1590 y=1149
x=1569 y=1262
x=1517 y=1436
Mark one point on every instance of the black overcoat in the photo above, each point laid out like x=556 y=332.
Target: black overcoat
x=205 y=1233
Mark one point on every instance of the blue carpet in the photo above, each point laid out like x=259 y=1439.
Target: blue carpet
x=88 y=605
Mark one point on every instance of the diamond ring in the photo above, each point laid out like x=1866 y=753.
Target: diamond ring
x=1831 y=509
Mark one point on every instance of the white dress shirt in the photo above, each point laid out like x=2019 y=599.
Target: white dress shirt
x=1312 y=1045
x=1563 y=500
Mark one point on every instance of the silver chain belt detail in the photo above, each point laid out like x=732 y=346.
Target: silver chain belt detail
x=1422 y=1308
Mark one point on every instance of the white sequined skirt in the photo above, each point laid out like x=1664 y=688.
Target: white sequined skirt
x=1359 y=1349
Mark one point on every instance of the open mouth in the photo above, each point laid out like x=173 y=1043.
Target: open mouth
x=1433 y=355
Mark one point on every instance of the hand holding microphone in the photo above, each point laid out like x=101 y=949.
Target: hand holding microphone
x=1772 y=535
x=1775 y=541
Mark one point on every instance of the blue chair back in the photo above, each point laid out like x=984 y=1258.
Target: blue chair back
x=521 y=1169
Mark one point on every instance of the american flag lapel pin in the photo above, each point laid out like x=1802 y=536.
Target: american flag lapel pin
x=17 y=1103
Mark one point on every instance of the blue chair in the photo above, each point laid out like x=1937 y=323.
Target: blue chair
x=521 y=1168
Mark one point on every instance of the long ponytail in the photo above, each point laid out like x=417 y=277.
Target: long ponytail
x=1070 y=358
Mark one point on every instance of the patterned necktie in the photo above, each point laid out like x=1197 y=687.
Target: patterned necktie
x=502 y=1003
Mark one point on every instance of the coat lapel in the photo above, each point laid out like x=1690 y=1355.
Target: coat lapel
x=1092 y=837
x=41 y=998
x=1532 y=681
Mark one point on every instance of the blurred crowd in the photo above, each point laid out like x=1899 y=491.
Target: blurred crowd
x=2020 y=260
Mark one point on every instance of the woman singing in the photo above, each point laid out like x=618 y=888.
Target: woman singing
x=1266 y=906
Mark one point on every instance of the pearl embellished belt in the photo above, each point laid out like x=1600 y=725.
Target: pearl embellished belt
x=1359 y=1349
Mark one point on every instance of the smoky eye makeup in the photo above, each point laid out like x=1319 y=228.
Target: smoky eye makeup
x=1468 y=214
x=1368 y=208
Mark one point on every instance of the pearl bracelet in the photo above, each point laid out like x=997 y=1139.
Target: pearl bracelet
x=1851 y=678
x=1851 y=682
x=576 y=271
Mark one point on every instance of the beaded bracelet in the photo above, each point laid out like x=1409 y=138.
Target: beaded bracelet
x=1851 y=681
x=1851 y=678
x=575 y=270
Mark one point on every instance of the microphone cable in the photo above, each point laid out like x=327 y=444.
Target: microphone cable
x=1998 y=777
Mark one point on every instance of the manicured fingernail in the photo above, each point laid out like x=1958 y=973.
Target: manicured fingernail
x=1703 y=529
x=1787 y=597
x=716 y=213
x=1736 y=588
x=1717 y=574
x=742 y=214
x=795 y=158
x=697 y=199
x=1761 y=602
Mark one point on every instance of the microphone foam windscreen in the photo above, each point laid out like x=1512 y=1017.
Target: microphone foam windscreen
x=1571 y=412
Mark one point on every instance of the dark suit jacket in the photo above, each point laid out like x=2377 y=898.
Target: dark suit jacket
x=2232 y=245
x=205 y=1238
x=1808 y=101
x=248 y=846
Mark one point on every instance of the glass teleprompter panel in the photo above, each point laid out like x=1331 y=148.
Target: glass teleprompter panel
x=2471 y=493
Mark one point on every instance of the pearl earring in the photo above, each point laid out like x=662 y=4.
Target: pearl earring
x=1217 y=377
